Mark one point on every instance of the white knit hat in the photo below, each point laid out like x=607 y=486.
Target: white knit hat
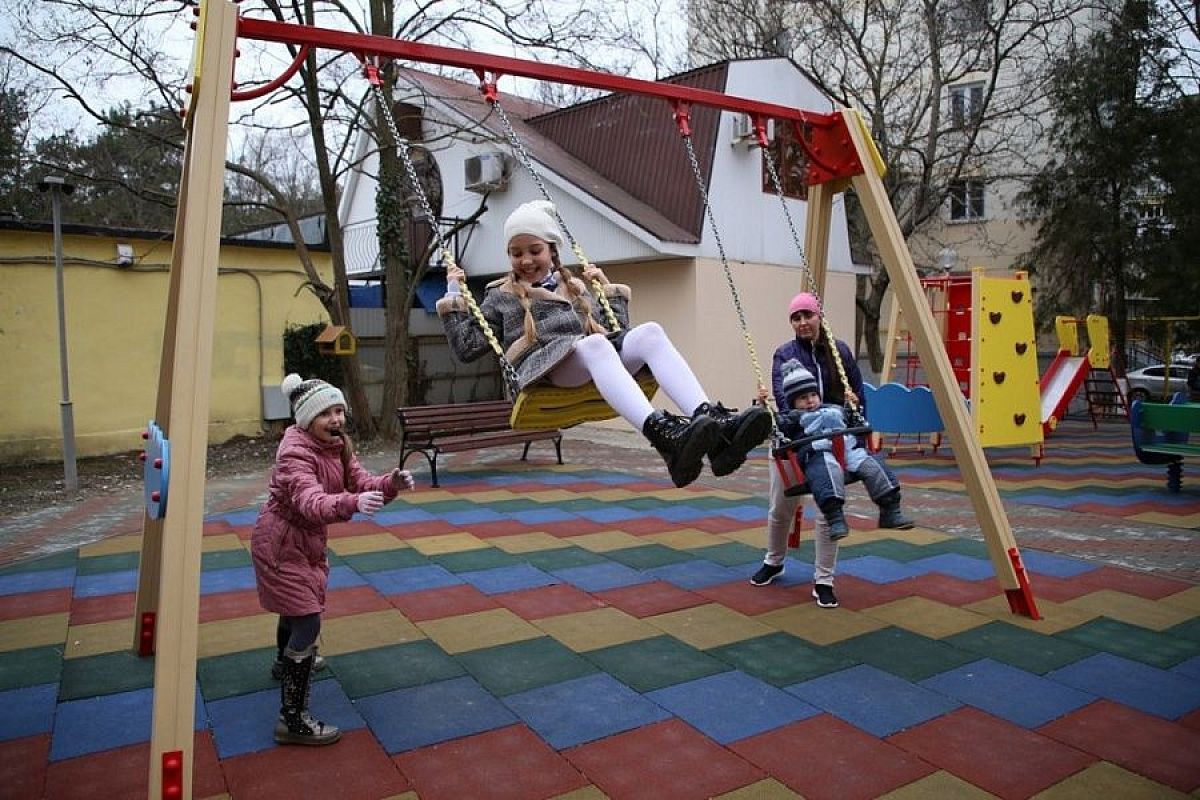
x=309 y=397
x=536 y=218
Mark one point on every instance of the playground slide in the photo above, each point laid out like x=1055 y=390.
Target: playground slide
x=1060 y=383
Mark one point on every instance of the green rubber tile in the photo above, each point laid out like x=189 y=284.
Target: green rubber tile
x=562 y=558
x=729 y=555
x=480 y=558
x=582 y=504
x=649 y=556
x=721 y=503
x=510 y=668
x=1160 y=650
x=109 y=673
x=966 y=547
x=1033 y=652
x=903 y=653
x=1186 y=630
x=513 y=506
x=30 y=667
x=65 y=559
x=397 y=666
x=381 y=560
x=649 y=664
x=781 y=659
x=885 y=548
x=443 y=506
x=225 y=559
x=238 y=673
x=116 y=562
x=645 y=504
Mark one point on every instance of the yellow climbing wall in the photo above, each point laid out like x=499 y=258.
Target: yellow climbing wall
x=1006 y=400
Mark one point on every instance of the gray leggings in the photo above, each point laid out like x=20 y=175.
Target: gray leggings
x=780 y=514
x=297 y=633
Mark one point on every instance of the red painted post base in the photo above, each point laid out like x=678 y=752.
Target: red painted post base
x=172 y=774
x=1020 y=600
x=146 y=635
x=797 y=525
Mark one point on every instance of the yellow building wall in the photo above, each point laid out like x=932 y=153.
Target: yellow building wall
x=115 y=319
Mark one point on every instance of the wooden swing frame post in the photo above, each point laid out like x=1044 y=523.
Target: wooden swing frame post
x=169 y=583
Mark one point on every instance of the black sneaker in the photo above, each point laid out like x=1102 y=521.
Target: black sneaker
x=825 y=596
x=766 y=573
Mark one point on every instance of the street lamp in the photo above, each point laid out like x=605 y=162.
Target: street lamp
x=57 y=186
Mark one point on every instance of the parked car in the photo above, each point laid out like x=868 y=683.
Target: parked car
x=1147 y=382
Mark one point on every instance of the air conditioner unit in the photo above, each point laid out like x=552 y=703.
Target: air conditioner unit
x=744 y=133
x=486 y=172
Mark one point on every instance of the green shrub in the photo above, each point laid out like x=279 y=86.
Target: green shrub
x=300 y=355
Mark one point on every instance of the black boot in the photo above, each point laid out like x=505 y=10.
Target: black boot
x=740 y=433
x=890 y=515
x=278 y=667
x=295 y=724
x=681 y=442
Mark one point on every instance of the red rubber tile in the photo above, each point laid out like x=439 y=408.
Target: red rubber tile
x=857 y=594
x=339 y=530
x=243 y=532
x=949 y=589
x=23 y=766
x=667 y=759
x=749 y=599
x=354 y=600
x=511 y=763
x=824 y=758
x=1151 y=746
x=354 y=767
x=216 y=527
x=447 y=601
x=124 y=772
x=415 y=530
x=229 y=605
x=1151 y=587
x=34 y=604
x=547 y=601
x=86 y=610
x=649 y=599
x=505 y=527
x=995 y=755
x=718 y=524
x=573 y=527
x=649 y=525
x=1058 y=590
x=1191 y=721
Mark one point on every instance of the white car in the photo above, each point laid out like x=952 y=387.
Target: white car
x=1147 y=383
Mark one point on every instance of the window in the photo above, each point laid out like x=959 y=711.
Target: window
x=966 y=104
x=966 y=200
x=966 y=17
x=790 y=160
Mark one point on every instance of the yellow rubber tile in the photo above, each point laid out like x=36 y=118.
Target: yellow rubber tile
x=820 y=625
x=941 y=785
x=613 y=495
x=128 y=543
x=425 y=495
x=528 y=542
x=1104 y=779
x=1169 y=520
x=549 y=496
x=366 y=631
x=917 y=535
x=583 y=793
x=404 y=796
x=755 y=537
x=1056 y=617
x=1188 y=599
x=18 y=634
x=475 y=631
x=222 y=542
x=604 y=541
x=769 y=789
x=366 y=543
x=685 y=539
x=99 y=637
x=446 y=543
x=927 y=617
x=489 y=496
x=1131 y=609
x=710 y=625
x=591 y=630
x=226 y=636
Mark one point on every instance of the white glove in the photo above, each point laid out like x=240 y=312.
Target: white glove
x=370 y=502
x=402 y=479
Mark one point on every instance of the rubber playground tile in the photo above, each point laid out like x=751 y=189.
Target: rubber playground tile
x=1131 y=609
x=654 y=663
x=860 y=594
x=105 y=583
x=225 y=559
x=1162 y=751
x=238 y=673
x=927 y=617
x=473 y=560
x=213 y=607
x=956 y=565
x=1132 y=641
x=1140 y=584
x=821 y=626
x=591 y=630
x=411 y=579
x=344 y=602
x=746 y=598
x=27 y=711
x=119 y=671
x=406 y=719
x=994 y=755
x=685 y=764
x=509 y=763
x=502 y=529
x=890 y=549
x=511 y=668
x=547 y=601
x=688 y=539
x=122 y=772
x=709 y=625
x=442 y=544
x=1188 y=669
x=30 y=667
x=1153 y=691
x=357 y=526
x=731 y=705
x=101 y=723
x=1012 y=694
x=873 y=700
x=1189 y=598
x=527 y=542
x=489 y=628
x=1056 y=617
x=508 y=579
x=226 y=580
x=952 y=591
x=112 y=562
x=365 y=543
x=877 y=570
x=39 y=631
x=648 y=556
x=23 y=765
x=599 y=577
x=382 y=669
x=903 y=653
x=1103 y=779
x=563 y=558
x=444 y=602
x=649 y=599
x=34 y=604
x=572 y=528
x=1019 y=647
x=98 y=637
x=224 y=636
x=943 y=784
x=127 y=543
x=56 y=565
x=728 y=554
x=355 y=767
x=582 y=710
x=696 y=574
x=606 y=540
x=1040 y=563
x=246 y=723
x=364 y=631
x=780 y=659
x=102 y=609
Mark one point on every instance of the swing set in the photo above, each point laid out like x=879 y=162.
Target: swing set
x=840 y=153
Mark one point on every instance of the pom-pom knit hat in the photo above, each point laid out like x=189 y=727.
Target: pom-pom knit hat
x=310 y=397
x=536 y=218
x=805 y=301
x=796 y=381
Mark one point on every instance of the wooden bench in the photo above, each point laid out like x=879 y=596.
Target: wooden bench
x=1161 y=432
x=432 y=430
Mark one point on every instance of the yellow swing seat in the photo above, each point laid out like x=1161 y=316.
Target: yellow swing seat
x=543 y=406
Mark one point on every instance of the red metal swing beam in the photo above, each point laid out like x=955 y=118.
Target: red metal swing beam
x=824 y=137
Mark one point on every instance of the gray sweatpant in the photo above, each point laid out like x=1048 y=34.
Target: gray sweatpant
x=780 y=514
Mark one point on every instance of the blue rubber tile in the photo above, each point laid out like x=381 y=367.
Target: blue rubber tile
x=405 y=719
x=412 y=579
x=343 y=577
x=682 y=513
x=876 y=701
x=584 y=709
x=696 y=574
x=600 y=577
x=611 y=514
x=1057 y=566
x=37 y=581
x=236 y=518
x=879 y=570
x=108 y=722
x=473 y=516
x=508 y=579
x=216 y=581
x=744 y=513
x=246 y=723
x=106 y=583
x=1020 y=697
x=538 y=516
x=956 y=565
x=1188 y=669
x=403 y=517
x=732 y=705
x=27 y=711
x=1154 y=691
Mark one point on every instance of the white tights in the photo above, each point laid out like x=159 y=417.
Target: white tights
x=594 y=359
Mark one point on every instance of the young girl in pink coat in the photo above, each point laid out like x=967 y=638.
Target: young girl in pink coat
x=317 y=480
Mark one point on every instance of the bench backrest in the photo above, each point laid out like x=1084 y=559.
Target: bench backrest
x=1163 y=423
x=430 y=422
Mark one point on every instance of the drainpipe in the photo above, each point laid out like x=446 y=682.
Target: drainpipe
x=57 y=186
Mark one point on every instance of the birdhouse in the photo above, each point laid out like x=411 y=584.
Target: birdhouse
x=336 y=340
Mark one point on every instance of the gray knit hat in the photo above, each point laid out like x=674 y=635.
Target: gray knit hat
x=796 y=380
x=310 y=397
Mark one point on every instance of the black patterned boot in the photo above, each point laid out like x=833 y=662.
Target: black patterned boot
x=295 y=724
x=740 y=433
x=681 y=442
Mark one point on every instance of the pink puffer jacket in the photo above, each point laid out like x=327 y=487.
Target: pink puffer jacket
x=307 y=492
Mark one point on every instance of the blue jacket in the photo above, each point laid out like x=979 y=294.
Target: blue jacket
x=814 y=359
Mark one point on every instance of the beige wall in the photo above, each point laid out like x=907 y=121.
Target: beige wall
x=115 y=320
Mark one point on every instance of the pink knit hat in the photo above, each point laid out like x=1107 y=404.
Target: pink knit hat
x=805 y=301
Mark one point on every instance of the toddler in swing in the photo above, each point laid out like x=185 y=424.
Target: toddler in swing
x=552 y=330
x=316 y=480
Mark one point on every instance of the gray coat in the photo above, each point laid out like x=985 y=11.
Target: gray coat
x=557 y=325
